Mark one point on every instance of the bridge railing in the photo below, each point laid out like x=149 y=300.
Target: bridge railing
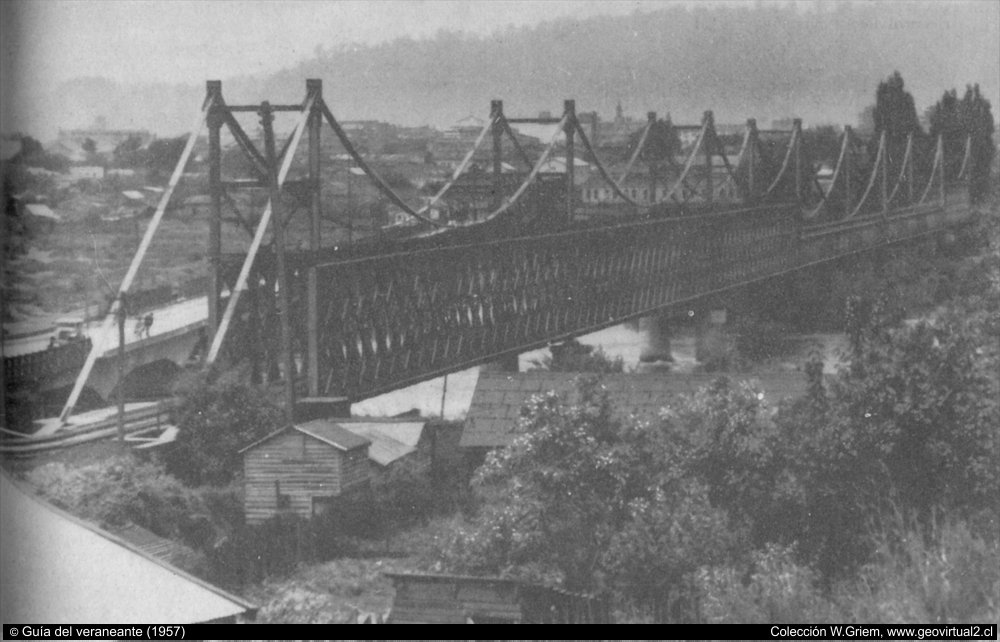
x=386 y=321
x=33 y=368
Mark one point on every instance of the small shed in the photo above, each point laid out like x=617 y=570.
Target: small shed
x=461 y=599
x=302 y=469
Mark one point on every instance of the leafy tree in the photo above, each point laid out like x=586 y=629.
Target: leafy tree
x=33 y=154
x=896 y=115
x=163 y=153
x=573 y=356
x=89 y=146
x=977 y=119
x=30 y=148
x=909 y=426
x=585 y=498
x=128 y=153
x=946 y=122
x=958 y=120
x=215 y=421
x=662 y=143
x=120 y=490
x=822 y=144
x=895 y=111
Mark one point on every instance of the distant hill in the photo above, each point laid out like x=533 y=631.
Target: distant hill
x=740 y=60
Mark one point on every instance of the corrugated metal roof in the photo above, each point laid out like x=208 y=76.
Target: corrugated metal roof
x=59 y=569
x=42 y=211
x=333 y=434
x=389 y=440
x=326 y=430
x=499 y=396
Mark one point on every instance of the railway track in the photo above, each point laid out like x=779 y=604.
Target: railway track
x=136 y=421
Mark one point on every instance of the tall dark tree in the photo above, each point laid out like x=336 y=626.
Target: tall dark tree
x=163 y=153
x=895 y=111
x=896 y=115
x=30 y=148
x=128 y=153
x=946 y=122
x=977 y=119
x=957 y=121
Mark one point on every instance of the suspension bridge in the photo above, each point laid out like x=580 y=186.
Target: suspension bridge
x=355 y=321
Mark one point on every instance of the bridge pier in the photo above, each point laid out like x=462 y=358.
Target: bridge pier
x=656 y=329
x=506 y=363
x=712 y=345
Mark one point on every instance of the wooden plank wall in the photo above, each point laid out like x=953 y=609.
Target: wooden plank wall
x=305 y=468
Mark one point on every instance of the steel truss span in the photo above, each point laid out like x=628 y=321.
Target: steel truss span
x=385 y=322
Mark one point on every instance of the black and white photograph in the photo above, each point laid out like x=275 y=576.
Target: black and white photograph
x=677 y=312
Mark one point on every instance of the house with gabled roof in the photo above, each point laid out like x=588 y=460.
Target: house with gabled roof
x=303 y=469
x=307 y=467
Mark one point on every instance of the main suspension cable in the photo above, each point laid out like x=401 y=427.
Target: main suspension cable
x=879 y=156
x=836 y=174
x=784 y=164
x=604 y=172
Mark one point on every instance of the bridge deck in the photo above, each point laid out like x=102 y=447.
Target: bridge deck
x=181 y=315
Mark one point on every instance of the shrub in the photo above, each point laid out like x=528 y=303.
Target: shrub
x=573 y=356
x=946 y=573
x=773 y=589
x=215 y=421
x=121 y=490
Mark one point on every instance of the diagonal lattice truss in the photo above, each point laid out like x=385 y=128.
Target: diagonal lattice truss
x=448 y=294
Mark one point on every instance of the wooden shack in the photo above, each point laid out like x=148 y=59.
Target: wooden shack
x=461 y=599
x=302 y=469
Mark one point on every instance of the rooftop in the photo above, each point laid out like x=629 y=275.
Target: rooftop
x=389 y=440
x=499 y=397
x=60 y=569
x=326 y=430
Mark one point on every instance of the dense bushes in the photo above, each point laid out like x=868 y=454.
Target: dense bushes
x=215 y=422
x=874 y=498
x=573 y=356
x=123 y=490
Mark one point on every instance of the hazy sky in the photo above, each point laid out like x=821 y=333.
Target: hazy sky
x=181 y=40
x=46 y=42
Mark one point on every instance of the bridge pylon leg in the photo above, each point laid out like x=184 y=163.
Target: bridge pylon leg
x=656 y=328
x=570 y=129
x=496 y=131
x=314 y=86
x=215 y=122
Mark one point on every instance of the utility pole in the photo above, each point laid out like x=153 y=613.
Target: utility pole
x=885 y=173
x=279 y=243
x=315 y=88
x=569 y=107
x=651 y=164
x=444 y=394
x=496 y=129
x=848 y=196
x=940 y=153
x=215 y=120
x=122 y=313
x=797 y=133
x=909 y=171
x=706 y=145
x=752 y=162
